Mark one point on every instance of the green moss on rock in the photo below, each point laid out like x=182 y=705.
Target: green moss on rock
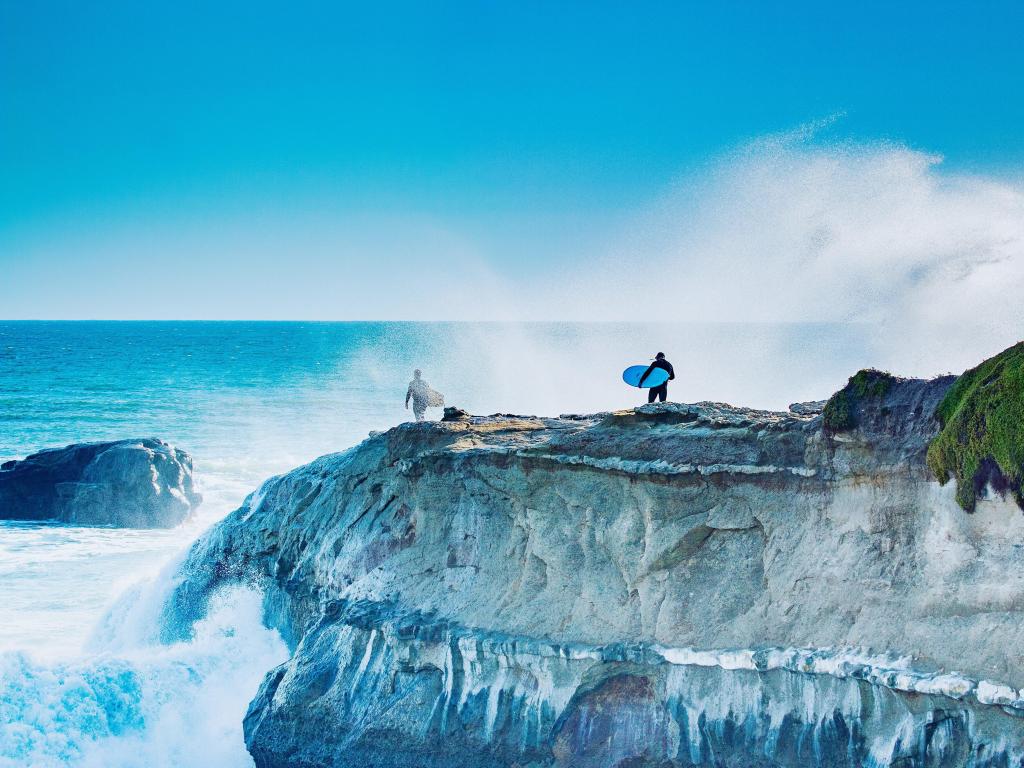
x=982 y=437
x=840 y=411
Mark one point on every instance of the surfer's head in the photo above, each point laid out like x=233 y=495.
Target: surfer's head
x=660 y=356
x=417 y=373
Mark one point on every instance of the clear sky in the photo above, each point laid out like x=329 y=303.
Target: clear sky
x=335 y=160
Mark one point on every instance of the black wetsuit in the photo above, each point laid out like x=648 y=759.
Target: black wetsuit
x=662 y=390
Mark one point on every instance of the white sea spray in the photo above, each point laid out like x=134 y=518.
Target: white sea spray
x=131 y=701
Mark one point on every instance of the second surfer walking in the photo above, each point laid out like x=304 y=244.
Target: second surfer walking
x=422 y=396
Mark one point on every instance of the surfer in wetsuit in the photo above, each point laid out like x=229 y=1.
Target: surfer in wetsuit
x=660 y=391
x=422 y=396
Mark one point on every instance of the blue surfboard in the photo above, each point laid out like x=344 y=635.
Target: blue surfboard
x=632 y=376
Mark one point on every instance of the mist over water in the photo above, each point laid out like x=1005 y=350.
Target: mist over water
x=794 y=228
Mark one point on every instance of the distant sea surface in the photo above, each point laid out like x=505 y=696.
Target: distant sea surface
x=82 y=679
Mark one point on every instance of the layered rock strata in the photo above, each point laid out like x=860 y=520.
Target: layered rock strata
x=676 y=585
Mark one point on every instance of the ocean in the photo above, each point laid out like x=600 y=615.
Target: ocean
x=84 y=680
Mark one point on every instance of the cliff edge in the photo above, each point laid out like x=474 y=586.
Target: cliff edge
x=675 y=585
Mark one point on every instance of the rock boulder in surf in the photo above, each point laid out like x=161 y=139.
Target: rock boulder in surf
x=143 y=483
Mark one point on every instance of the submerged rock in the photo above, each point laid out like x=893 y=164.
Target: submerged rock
x=674 y=585
x=129 y=483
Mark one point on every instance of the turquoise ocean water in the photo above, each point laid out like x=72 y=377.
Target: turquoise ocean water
x=83 y=680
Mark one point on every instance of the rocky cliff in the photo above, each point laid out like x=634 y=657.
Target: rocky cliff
x=676 y=585
x=131 y=483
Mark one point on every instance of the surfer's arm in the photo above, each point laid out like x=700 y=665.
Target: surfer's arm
x=646 y=374
x=671 y=371
x=408 y=394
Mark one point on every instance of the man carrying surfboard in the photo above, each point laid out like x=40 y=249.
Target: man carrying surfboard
x=661 y=391
x=422 y=396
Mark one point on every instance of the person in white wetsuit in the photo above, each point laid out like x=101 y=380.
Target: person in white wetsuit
x=422 y=396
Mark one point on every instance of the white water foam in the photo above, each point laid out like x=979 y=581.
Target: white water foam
x=132 y=701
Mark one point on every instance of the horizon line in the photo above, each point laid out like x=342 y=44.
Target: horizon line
x=428 y=320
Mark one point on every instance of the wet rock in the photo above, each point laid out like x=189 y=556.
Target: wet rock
x=143 y=483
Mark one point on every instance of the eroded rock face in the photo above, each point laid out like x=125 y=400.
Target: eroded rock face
x=676 y=585
x=130 y=483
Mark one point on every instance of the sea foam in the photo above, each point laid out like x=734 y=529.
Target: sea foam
x=132 y=701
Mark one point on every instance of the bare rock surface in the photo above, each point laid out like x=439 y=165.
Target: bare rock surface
x=143 y=483
x=812 y=408
x=674 y=585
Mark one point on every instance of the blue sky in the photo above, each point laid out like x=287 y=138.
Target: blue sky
x=190 y=159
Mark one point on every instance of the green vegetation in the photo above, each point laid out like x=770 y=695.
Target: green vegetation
x=838 y=414
x=840 y=410
x=982 y=437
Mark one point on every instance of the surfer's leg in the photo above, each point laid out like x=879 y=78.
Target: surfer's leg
x=651 y=394
x=419 y=412
x=661 y=392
